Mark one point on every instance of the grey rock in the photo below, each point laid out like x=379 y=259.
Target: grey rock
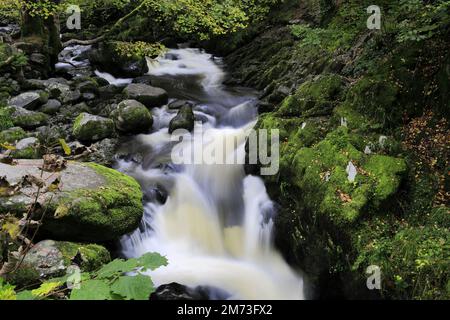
x=151 y=97
x=51 y=107
x=185 y=119
x=28 y=100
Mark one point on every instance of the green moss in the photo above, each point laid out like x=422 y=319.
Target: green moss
x=92 y=128
x=415 y=261
x=12 y=135
x=313 y=98
x=92 y=256
x=31 y=152
x=320 y=172
x=387 y=172
x=101 y=214
x=6 y=121
x=30 y=119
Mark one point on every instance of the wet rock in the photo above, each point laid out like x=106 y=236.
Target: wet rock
x=109 y=91
x=88 y=127
x=51 y=259
x=27 y=119
x=29 y=100
x=88 y=87
x=88 y=96
x=175 y=291
x=51 y=107
x=89 y=203
x=132 y=116
x=151 y=97
x=178 y=104
x=185 y=119
x=143 y=80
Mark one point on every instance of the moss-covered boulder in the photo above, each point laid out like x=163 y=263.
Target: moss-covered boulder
x=50 y=259
x=317 y=97
x=322 y=172
x=27 y=119
x=83 y=202
x=88 y=127
x=132 y=116
x=12 y=135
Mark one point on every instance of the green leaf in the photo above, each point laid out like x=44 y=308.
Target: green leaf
x=152 y=261
x=133 y=287
x=7 y=291
x=25 y=295
x=92 y=290
x=65 y=147
x=117 y=267
x=46 y=288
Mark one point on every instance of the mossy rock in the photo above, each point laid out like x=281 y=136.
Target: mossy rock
x=415 y=261
x=50 y=259
x=314 y=98
x=132 y=116
x=88 y=127
x=12 y=135
x=93 y=203
x=320 y=171
x=27 y=119
x=6 y=121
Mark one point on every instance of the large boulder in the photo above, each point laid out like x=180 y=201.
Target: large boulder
x=185 y=119
x=150 y=96
x=57 y=88
x=29 y=100
x=83 y=202
x=27 y=119
x=132 y=116
x=50 y=259
x=88 y=127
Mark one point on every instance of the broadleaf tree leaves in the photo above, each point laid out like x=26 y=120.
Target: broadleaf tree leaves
x=152 y=261
x=92 y=290
x=117 y=267
x=137 y=287
x=46 y=289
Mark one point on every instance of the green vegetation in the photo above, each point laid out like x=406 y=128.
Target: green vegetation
x=109 y=282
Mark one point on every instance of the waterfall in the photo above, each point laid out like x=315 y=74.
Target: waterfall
x=216 y=225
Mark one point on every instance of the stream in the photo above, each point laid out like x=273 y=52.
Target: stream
x=212 y=222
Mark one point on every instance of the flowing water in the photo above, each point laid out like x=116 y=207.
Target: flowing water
x=212 y=222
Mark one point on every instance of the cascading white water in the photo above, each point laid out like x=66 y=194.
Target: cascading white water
x=216 y=225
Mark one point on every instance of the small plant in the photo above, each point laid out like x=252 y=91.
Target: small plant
x=139 y=49
x=118 y=280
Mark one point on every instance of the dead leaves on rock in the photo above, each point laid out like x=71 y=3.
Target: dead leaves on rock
x=346 y=198
x=54 y=163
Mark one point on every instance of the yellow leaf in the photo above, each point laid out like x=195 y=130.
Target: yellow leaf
x=46 y=288
x=65 y=147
